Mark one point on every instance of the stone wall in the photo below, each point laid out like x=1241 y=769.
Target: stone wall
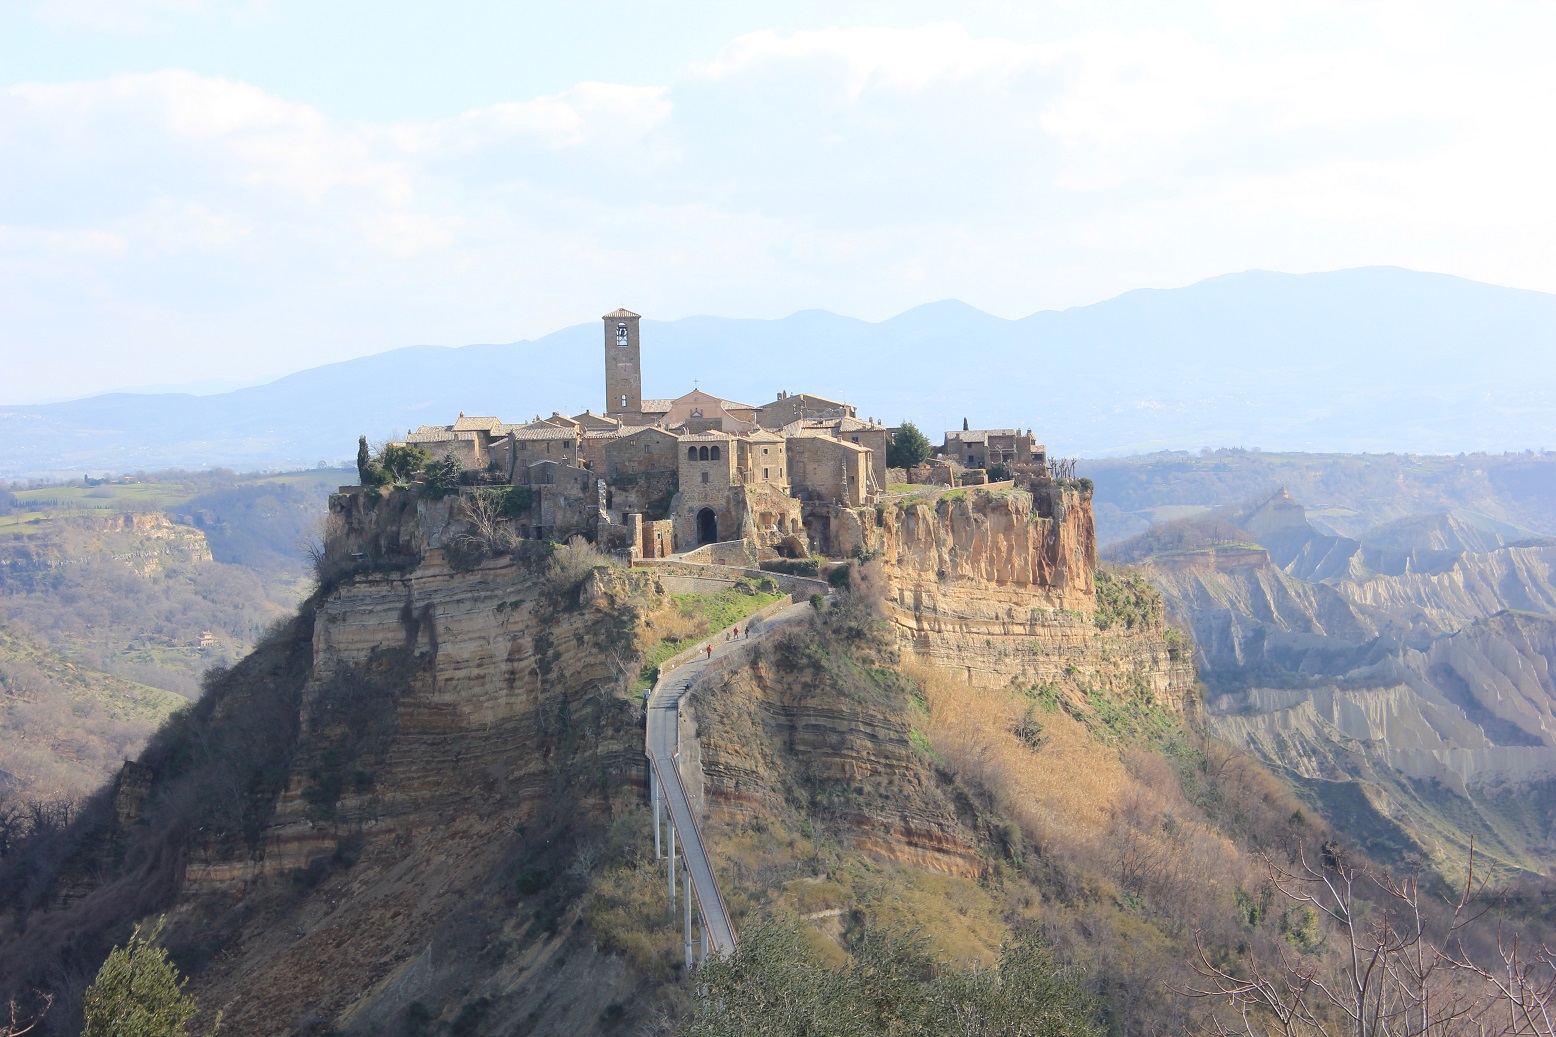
x=825 y=469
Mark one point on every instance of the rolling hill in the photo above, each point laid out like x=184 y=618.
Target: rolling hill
x=1373 y=359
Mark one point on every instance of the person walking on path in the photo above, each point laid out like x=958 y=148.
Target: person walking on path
x=709 y=650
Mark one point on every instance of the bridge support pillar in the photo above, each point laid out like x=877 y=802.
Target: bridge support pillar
x=686 y=876
x=653 y=791
x=670 y=862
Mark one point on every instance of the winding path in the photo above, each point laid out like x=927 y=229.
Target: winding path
x=662 y=744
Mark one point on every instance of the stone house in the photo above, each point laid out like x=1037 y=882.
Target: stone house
x=824 y=468
x=764 y=460
x=703 y=511
x=980 y=448
x=801 y=406
x=870 y=434
x=641 y=468
x=523 y=445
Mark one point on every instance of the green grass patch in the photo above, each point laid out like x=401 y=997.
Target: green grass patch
x=727 y=606
x=721 y=610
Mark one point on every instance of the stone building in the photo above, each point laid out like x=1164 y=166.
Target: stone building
x=827 y=469
x=980 y=448
x=801 y=406
x=623 y=367
x=869 y=434
x=656 y=476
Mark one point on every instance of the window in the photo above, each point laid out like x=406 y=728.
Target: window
x=715 y=454
x=764 y=473
x=702 y=453
x=623 y=401
x=854 y=438
x=764 y=450
x=621 y=334
x=704 y=476
x=691 y=453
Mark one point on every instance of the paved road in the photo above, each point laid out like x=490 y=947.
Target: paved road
x=663 y=707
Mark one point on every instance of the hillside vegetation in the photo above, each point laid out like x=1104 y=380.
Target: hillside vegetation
x=115 y=597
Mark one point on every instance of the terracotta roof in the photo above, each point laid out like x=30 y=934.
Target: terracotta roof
x=657 y=406
x=762 y=435
x=632 y=430
x=476 y=424
x=805 y=396
x=439 y=435
x=846 y=424
x=620 y=312
x=707 y=437
x=543 y=432
x=980 y=435
x=834 y=441
x=701 y=395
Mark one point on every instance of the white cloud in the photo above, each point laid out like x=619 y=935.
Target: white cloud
x=863 y=169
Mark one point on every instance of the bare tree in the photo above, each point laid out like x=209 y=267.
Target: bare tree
x=1393 y=963
x=17 y=1023
x=488 y=528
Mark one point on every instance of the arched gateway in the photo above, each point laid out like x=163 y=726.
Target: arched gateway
x=707 y=527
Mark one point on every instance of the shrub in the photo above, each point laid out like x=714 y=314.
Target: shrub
x=793 y=566
x=138 y=993
x=1126 y=599
x=775 y=983
x=571 y=563
x=442 y=477
x=402 y=461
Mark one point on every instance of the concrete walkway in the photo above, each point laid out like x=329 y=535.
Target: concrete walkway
x=664 y=704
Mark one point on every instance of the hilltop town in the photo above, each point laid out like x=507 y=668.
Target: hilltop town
x=660 y=477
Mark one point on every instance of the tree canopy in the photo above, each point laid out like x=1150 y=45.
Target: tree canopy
x=403 y=461
x=908 y=447
x=138 y=993
x=775 y=986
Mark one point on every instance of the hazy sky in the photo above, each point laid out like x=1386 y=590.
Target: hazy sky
x=196 y=191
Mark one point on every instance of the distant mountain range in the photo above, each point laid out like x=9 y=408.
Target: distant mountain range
x=1374 y=359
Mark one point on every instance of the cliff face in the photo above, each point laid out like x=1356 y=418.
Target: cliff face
x=784 y=734
x=444 y=713
x=1035 y=549
x=1000 y=587
x=149 y=544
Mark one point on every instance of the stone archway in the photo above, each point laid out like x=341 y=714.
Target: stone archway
x=707 y=527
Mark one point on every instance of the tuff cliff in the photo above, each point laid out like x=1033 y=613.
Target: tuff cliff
x=999 y=585
x=405 y=807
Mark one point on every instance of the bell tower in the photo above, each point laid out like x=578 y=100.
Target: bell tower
x=623 y=365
